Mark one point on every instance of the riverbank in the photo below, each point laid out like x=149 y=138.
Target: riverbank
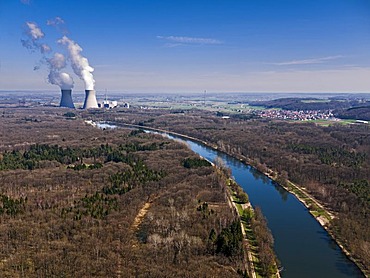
x=321 y=214
x=250 y=266
x=252 y=250
x=317 y=210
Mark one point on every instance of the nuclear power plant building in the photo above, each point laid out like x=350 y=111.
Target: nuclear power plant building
x=66 y=99
x=90 y=99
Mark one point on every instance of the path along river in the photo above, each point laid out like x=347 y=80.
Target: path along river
x=302 y=245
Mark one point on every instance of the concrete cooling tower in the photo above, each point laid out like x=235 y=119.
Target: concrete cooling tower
x=66 y=100
x=90 y=100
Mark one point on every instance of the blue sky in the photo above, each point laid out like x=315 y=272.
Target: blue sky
x=192 y=46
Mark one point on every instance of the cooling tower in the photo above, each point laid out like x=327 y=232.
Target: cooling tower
x=66 y=100
x=90 y=100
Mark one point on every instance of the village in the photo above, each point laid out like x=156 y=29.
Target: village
x=307 y=115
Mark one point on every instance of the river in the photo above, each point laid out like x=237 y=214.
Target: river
x=302 y=245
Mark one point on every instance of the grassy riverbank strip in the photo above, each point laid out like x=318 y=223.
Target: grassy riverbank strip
x=317 y=210
x=251 y=254
x=256 y=267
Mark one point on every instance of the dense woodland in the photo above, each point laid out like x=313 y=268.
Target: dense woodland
x=331 y=162
x=76 y=201
x=358 y=113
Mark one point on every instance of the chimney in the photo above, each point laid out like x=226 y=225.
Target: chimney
x=66 y=100
x=90 y=99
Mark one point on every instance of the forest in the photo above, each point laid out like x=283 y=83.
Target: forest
x=331 y=162
x=358 y=113
x=78 y=201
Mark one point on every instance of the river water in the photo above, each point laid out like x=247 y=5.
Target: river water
x=302 y=245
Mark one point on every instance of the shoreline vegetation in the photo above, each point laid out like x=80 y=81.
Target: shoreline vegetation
x=317 y=210
x=248 y=217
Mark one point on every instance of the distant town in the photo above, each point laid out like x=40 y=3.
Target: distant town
x=296 y=115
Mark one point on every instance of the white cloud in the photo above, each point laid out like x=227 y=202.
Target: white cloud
x=172 y=45
x=179 y=40
x=26 y=2
x=308 y=61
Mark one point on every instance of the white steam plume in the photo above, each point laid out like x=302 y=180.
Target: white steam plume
x=55 y=21
x=44 y=48
x=34 y=31
x=55 y=64
x=55 y=77
x=34 y=34
x=58 y=23
x=62 y=79
x=80 y=64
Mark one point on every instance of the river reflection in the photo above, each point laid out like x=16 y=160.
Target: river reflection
x=283 y=193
